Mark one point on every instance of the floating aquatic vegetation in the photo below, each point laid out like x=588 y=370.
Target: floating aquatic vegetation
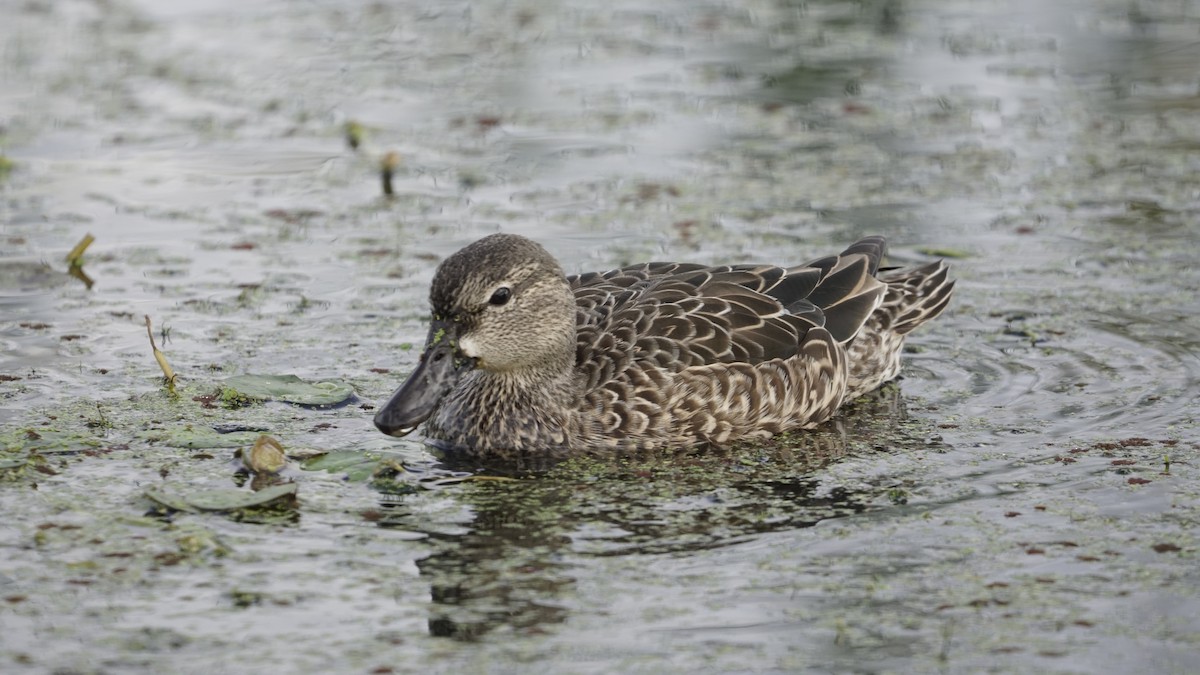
x=28 y=465
x=184 y=498
x=387 y=168
x=394 y=477
x=13 y=462
x=244 y=389
x=12 y=466
x=199 y=437
x=75 y=257
x=168 y=372
x=357 y=466
x=26 y=452
x=942 y=252
x=388 y=473
x=354 y=134
x=46 y=441
x=75 y=260
x=266 y=456
x=231 y=427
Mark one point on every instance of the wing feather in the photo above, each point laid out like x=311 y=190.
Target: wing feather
x=672 y=316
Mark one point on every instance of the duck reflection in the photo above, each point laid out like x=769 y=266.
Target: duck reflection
x=528 y=540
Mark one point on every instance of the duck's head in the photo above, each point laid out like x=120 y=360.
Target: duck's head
x=502 y=305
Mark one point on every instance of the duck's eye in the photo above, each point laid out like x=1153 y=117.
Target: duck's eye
x=501 y=296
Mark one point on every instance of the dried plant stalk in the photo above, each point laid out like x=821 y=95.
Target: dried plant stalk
x=168 y=372
x=75 y=257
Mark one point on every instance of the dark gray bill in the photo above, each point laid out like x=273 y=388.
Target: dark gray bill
x=440 y=369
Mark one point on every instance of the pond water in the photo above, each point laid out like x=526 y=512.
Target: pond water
x=1024 y=499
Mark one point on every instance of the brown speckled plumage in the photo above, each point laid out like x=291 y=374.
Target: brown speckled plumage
x=654 y=355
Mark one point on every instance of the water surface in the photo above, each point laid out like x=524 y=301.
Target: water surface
x=1025 y=499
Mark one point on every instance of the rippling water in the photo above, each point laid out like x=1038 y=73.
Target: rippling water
x=1024 y=500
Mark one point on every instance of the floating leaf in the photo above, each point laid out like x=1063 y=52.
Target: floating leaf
x=230 y=427
x=303 y=454
x=289 y=389
x=200 y=437
x=10 y=463
x=46 y=441
x=160 y=494
x=336 y=461
x=356 y=465
x=218 y=499
x=228 y=499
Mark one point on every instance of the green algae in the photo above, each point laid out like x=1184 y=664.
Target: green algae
x=231 y=398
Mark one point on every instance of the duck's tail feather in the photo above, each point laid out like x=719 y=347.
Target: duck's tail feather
x=913 y=297
x=917 y=295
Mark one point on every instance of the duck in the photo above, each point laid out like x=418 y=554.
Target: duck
x=522 y=360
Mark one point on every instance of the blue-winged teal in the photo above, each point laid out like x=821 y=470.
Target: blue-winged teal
x=522 y=359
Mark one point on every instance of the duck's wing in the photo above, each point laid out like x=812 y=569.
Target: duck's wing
x=677 y=315
x=848 y=291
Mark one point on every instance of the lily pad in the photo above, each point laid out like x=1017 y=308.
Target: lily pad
x=218 y=499
x=234 y=427
x=356 y=465
x=13 y=462
x=46 y=441
x=288 y=389
x=161 y=494
x=200 y=437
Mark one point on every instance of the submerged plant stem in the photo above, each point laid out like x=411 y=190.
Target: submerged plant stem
x=387 y=168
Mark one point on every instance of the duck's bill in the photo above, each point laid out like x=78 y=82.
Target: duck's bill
x=440 y=368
